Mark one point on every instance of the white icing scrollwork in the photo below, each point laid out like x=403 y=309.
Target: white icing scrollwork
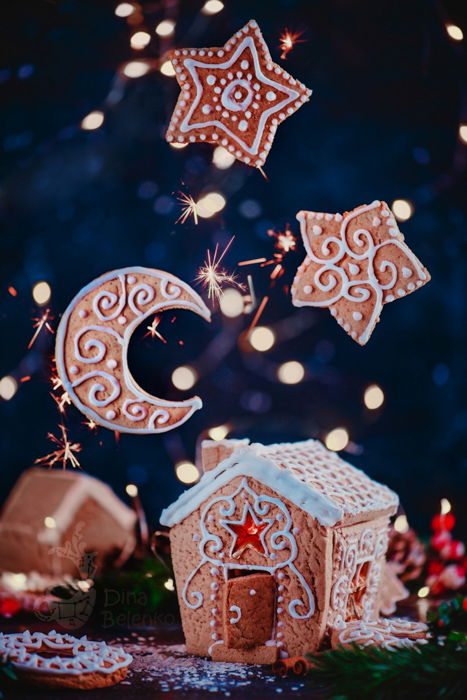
x=107 y=301
x=98 y=387
x=280 y=547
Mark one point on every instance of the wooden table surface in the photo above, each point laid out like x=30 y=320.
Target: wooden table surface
x=161 y=668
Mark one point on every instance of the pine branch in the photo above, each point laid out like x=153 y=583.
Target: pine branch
x=428 y=671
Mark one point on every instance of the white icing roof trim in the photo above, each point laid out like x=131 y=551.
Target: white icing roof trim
x=306 y=473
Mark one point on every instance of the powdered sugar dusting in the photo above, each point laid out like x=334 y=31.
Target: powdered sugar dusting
x=168 y=669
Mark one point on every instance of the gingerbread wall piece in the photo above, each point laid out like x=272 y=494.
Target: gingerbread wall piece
x=92 y=346
x=234 y=96
x=269 y=518
x=355 y=263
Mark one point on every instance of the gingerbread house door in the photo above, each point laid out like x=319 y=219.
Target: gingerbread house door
x=248 y=611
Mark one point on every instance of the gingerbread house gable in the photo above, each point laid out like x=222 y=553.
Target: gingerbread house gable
x=306 y=473
x=48 y=508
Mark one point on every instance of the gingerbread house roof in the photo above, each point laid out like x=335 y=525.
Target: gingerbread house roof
x=61 y=493
x=306 y=473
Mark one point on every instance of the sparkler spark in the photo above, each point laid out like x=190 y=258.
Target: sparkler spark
x=41 y=322
x=152 y=329
x=212 y=276
x=287 y=41
x=189 y=208
x=12 y=291
x=57 y=385
x=258 y=313
x=90 y=425
x=64 y=453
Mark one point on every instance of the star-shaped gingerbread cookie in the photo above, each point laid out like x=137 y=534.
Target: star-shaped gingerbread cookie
x=355 y=263
x=234 y=96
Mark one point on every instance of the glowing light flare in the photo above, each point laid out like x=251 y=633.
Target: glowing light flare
x=373 y=397
x=124 y=9
x=8 y=387
x=454 y=32
x=39 y=323
x=463 y=132
x=287 y=41
x=169 y=584
x=210 y=204
x=41 y=293
x=136 y=69
x=445 y=506
x=93 y=120
x=291 y=372
x=186 y=472
x=49 y=522
x=231 y=303
x=402 y=209
x=184 y=377
x=218 y=432
x=222 y=159
x=401 y=524
x=167 y=69
x=212 y=276
x=212 y=7
x=177 y=146
x=132 y=490
x=262 y=338
x=165 y=28
x=65 y=452
x=139 y=40
x=337 y=439
x=423 y=592
x=16 y=582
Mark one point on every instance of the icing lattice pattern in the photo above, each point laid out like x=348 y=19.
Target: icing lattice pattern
x=310 y=463
x=72 y=656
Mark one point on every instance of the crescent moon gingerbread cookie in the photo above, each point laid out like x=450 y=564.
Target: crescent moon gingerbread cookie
x=385 y=633
x=355 y=263
x=56 y=660
x=233 y=96
x=92 y=346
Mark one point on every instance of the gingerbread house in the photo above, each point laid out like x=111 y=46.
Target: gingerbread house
x=274 y=547
x=53 y=519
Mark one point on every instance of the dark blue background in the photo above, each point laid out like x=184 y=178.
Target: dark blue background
x=382 y=123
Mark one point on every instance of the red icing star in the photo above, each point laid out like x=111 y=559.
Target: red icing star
x=248 y=532
x=233 y=96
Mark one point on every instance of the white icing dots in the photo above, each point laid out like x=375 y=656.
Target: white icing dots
x=393 y=231
x=82 y=313
x=357 y=316
x=243 y=125
x=252 y=591
x=376 y=221
x=211 y=79
x=353 y=269
x=317 y=230
x=122 y=320
x=307 y=289
x=74 y=369
x=206 y=109
x=271 y=96
x=244 y=65
x=110 y=415
x=406 y=272
x=131 y=279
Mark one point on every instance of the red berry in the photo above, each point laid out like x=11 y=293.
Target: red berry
x=443 y=522
x=464 y=604
x=440 y=539
x=435 y=567
x=9 y=607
